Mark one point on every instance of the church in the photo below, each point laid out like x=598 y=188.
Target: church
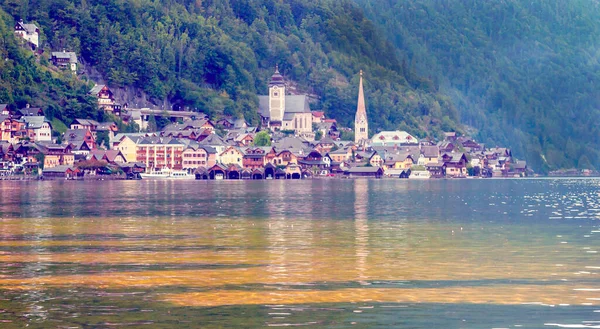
x=280 y=111
x=361 y=124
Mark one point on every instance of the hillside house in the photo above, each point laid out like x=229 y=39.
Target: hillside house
x=28 y=32
x=65 y=60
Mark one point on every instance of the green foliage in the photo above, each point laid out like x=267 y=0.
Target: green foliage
x=347 y=135
x=58 y=126
x=40 y=157
x=103 y=139
x=318 y=135
x=215 y=56
x=262 y=138
x=523 y=73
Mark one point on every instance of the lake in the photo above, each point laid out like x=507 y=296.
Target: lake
x=322 y=253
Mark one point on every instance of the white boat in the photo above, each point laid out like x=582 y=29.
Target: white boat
x=166 y=173
x=420 y=174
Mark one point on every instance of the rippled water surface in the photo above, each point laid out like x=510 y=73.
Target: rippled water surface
x=318 y=253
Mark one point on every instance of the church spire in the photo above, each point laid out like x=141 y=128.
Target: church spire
x=361 y=125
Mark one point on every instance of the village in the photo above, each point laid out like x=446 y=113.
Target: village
x=290 y=142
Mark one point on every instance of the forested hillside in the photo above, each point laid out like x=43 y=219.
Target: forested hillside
x=524 y=73
x=216 y=56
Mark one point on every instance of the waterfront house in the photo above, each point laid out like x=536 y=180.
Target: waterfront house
x=316 y=163
x=364 y=172
x=114 y=157
x=400 y=161
x=341 y=154
x=160 y=152
x=284 y=158
x=376 y=159
x=455 y=164
x=195 y=155
x=232 y=156
x=62 y=171
x=56 y=155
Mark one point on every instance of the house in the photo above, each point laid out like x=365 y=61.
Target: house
x=244 y=139
x=316 y=162
x=62 y=171
x=5 y=128
x=279 y=111
x=106 y=99
x=114 y=157
x=429 y=154
x=364 y=172
x=65 y=60
x=325 y=144
x=82 y=140
x=284 y=158
x=455 y=164
x=226 y=123
x=160 y=152
x=29 y=111
x=127 y=145
x=400 y=161
x=39 y=129
x=393 y=138
x=86 y=124
x=341 y=154
x=29 y=32
x=56 y=155
x=257 y=157
x=232 y=156
x=318 y=116
x=195 y=156
x=376 y=160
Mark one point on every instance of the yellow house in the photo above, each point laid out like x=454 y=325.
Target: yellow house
x=399 y=161
x=341 y=155
x=232 y=155
x=128 y=148
x=375 y=160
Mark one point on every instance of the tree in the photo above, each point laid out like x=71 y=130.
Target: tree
x=262 y=139
x=318 y=135
x=40 y=157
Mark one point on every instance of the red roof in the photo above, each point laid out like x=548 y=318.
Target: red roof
x=318 y=114
x=330 y=120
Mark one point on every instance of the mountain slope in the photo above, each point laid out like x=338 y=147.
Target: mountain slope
x=215 y=56
x=524 y=73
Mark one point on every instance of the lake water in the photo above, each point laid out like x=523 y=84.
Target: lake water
x=316 y=254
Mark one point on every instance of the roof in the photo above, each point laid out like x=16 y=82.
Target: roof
x=318 y=114
x=75 y=135
x=35 y=122
x=97 y=89
x=430 y=151
x=30 y=111
x=71 y=56
x=111 y=155
x=58 y=169
x=30 y=28
x=290 y=143
x=364 y=169
x=85 y=122
x=213 y=140
x=293 y=104
x=394 y=137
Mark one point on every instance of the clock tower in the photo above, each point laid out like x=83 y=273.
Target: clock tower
x=361 y=125
x=276 y=98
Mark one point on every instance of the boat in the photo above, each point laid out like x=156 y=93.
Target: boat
x=166 y=173
x=420 y=174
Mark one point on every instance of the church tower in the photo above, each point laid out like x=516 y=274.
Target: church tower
x=361 y=125
x=276 y=98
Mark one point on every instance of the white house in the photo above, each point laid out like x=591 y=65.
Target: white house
x=29 y=32
x=39 y=129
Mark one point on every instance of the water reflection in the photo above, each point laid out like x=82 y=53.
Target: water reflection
x=309 y=253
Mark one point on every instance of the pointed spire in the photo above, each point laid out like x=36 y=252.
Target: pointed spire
x=360 y=108
x=276 y=78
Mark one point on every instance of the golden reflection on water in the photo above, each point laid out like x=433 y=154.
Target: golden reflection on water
x=289 y=251
x=501 y=294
